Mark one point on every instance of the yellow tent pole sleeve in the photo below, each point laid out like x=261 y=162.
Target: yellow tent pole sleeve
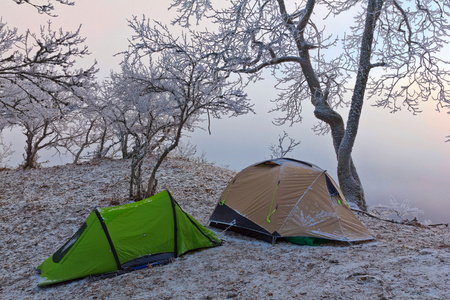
x=226 y=195
x=271 y=205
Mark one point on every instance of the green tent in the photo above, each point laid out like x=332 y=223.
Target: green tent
x=127 y=237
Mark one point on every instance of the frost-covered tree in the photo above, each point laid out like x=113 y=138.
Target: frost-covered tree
x=285 y=145
x=399 y=210
x=40 y=84
x=41 y=121
x=389 y=52
x=166 y=85
x=89 y=130
x=43 y=63
x=121 y=111
x=139 y=119
x=6 y=150
x=46 y=7
x=83 y=130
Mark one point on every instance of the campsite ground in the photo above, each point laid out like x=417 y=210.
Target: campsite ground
x=41 y=209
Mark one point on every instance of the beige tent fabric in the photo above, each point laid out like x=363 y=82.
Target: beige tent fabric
x=291 y=198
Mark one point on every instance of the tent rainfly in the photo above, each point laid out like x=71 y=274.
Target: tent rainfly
x=127 y=237
x=290 y=199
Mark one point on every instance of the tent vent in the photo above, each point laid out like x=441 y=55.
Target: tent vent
x=331 y=188
x=66 y=247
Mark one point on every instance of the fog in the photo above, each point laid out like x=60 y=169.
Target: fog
x=397 y=155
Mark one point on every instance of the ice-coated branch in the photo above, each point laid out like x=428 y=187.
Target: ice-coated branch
x=45 y=62
x=45 y=8
x=188 y=9
x=166 y=84
x=285 y=145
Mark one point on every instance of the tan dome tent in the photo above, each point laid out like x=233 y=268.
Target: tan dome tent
x=290 y=199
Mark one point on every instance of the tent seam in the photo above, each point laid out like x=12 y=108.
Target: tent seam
x=108 y=237
x=296 y=204
x=175 y=224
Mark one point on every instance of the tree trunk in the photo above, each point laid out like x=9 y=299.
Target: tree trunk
x=30 y=154
x=152 y=182
x=33 y=144
x=350 y=183
x=343 y=138
x=137 y=159
x=348 y=178
x=102 y=142
x=84 y=144
x=124 y=146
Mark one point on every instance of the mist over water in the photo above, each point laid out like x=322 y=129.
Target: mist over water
x=398 y=156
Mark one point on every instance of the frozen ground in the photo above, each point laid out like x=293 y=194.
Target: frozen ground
x=41 y=209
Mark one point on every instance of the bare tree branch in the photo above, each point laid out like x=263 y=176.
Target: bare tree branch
x=45 y=8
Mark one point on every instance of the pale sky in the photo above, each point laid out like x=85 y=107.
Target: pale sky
x=397 y=155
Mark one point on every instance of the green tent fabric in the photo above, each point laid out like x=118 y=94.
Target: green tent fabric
x=126 y=237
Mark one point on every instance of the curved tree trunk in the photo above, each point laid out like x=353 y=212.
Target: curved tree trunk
x=33 y=144
x=348 y=178
x=153 y=182
x=343 y=138
x=30 y=157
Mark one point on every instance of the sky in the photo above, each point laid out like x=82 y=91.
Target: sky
x=398 y=156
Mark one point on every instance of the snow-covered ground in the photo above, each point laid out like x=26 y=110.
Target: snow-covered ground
x=41 y=209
